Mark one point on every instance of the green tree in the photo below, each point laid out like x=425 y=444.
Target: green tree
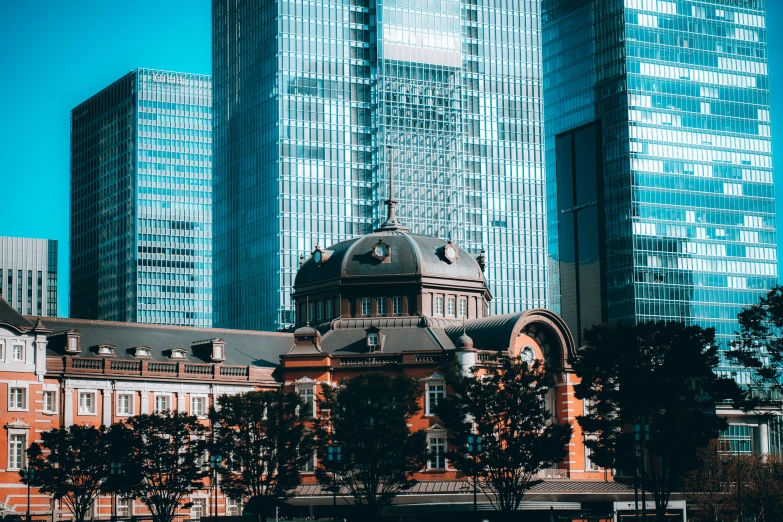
x=506 y=407
x=367 y=418
x=71 y=464
x=165 y=461
x=659 y=375
x=758 y=351
x=264 y=444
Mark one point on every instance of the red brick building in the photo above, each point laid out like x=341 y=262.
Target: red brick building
x=389 y=302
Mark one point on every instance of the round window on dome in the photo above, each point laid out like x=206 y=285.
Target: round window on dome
x=380 y=251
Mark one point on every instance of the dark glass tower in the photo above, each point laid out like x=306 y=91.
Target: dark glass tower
x=141 y=201
x=659 y=163
x=308 y=96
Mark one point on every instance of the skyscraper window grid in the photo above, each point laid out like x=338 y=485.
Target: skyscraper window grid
x=504 y=152
x=141 y=201
x=29 y=259
x=308 y=96
x=293 y=152
x=687 y=165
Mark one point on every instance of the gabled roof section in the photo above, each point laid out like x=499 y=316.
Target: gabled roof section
x=401 y=335
x=13 y=318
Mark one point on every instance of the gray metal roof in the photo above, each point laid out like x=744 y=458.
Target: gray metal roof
x=243 y=348
x=409 y=255
x=402 y=334
x=13 y=318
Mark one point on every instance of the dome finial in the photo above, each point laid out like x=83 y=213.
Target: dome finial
x=391 y=223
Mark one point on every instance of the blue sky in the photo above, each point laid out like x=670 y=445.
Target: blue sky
x=57 y=53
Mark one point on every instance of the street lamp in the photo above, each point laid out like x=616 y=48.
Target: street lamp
x=641 y=434
x=115 y=470
x=28 y=474
x=474 y=449
x=215 y=462
x=334 y=455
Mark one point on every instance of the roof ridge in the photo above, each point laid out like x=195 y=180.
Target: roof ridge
x=56 y=320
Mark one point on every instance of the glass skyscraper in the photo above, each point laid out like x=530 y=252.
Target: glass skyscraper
x=141 y=201
x=311 y=97
x=659 y=163
x=28 y=275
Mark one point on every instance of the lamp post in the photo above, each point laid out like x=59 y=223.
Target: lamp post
x=474 y=449
x=334 y=455
x=641 y=434
x=28 y=474
x=739 y=481
x=215 y=462
x=115 y=470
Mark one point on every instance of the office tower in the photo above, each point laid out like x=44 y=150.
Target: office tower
x=309 y=96
x=141 y=201
x=28 y=275
x=659 y=164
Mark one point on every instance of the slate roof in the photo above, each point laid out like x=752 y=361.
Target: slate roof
x=243 y=348
x=409 y=255
x=488 y=333
x=13 y=318
x=403 y=334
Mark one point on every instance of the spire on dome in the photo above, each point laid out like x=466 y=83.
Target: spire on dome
x=391 y=223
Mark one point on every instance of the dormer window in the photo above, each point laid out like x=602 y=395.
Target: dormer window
x=374 y=340
x=106 y=349
x=142 y=351
x=177 y=354
x=73 y=342
x=216 y=347
x=218 y=352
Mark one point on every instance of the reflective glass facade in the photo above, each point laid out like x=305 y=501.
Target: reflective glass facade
x=309 y=96
x=141 y=201
x=680 y=91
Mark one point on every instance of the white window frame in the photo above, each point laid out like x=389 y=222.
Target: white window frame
x=44 y=406
x=373 y=346
x=131 y=405
x=428 y=389
x=328 y=312
x=589 y=464
x=124 y=507
x=439 y=305
x=87 y=393
x=312 y=463
x=319 y=311
x=366 y=307
x=307 y=389
x=463 y=307
x=200 y=501
x=2 y=349
x=382 y=308
x=450 y=307
x=21 y=356
x=155 y=397
x=205 y=402
x=443 y=442
x=17 y=447
x=23 y=393
x=397 y=305
x=233 y=507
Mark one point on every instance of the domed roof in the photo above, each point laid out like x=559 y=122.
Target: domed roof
x=406 y=254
